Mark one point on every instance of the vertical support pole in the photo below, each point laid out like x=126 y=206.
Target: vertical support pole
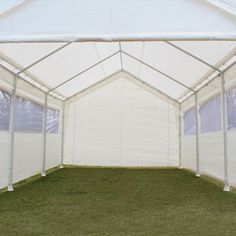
x=168 y=133
x=180 y=137
x=43 y=172
x=197 y=136
x=12 y=131
x=62 y=134
x=224 y=130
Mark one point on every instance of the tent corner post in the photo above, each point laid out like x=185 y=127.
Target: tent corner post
x=62 y=135
x=224 y=131
x=197 y=136
x=43 y=172
x=168 y=132
x=12 y=132
x=180 y=138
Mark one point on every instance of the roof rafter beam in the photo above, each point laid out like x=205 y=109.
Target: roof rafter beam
x=27 y=73
x=93 y=85
x=224 y=6
x=193 y=56
x=44 y=57
x=209 y=74
x=159 y=72
x=83 y=71
x=121 y=59
x=150 y=86
x=204 y=85
x=135 y=77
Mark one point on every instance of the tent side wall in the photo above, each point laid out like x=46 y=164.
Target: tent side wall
x=121 y=124
x=211 y=152
x=28 y=144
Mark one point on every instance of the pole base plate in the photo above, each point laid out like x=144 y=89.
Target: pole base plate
x=10 y=188
x=43 y=174
x=226 y=188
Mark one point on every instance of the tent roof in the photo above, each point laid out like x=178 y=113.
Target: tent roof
x=66 y=20
x=65 y=42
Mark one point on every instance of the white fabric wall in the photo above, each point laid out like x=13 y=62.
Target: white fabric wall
x=28 y=152
x=188 y=142
x=6 y=82
x=230 y=77
x=120 y=124
x=54 y=141
x=4 y=154
x=210 y=144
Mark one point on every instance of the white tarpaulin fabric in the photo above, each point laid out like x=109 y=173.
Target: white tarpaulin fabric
x=121 y=124
x=66 y=20
x=102 y=20
x=28 y=146
x=77 y=57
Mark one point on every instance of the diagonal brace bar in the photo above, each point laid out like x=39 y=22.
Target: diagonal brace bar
x=44 y=57
x=93 y=85
x=82 y=72
x=158 y=71
x=193 y=56
x=150 y=86
x=121 y=59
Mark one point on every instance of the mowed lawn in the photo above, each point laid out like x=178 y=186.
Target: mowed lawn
x=103 y=201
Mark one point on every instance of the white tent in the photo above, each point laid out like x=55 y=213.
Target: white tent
x=107 y=83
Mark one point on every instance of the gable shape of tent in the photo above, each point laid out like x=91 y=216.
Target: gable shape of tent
x=62 y=64
x=68 y=48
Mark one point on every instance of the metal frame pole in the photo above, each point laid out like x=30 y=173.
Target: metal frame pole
x=150 y=86
x=44 y=57
x=193 y=56
x=226 y=69
x=224 y=131
x=43 y=172
x=197 y=137
x=62 y=134
x=85 y=70
x=12 y=131
x=159 y=72
x=168 y=132
x=180 y=137
x=121 y=59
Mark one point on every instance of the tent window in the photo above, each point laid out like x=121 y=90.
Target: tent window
x=210 y=113
x=5 y=107
x=29 y=116
x=231 y=108
x=189 y=122
x=52 y=121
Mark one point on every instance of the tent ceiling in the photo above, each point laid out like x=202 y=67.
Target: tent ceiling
x=66 y=20
x=77 y=57
x=101 y=20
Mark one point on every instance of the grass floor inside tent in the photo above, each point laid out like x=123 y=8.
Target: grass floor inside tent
x=97 y=201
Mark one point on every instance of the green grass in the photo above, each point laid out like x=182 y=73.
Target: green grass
x=96 y=201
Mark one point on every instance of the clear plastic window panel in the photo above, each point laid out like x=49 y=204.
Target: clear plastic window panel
x=231 y=108
x=189 y=122
x=29 y=116
x=52 y=121
x=5 y=108
x=210 y=114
